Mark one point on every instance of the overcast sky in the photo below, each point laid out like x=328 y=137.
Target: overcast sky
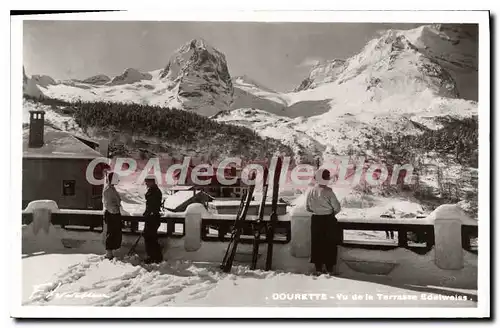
x=278 y=55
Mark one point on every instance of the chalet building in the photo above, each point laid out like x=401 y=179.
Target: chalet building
x=55 y=164
x=215 y=189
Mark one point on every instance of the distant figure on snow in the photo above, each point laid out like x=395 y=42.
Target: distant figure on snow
x=325 y=233
x=389 y=234
x=112 y=218
x=152 y=221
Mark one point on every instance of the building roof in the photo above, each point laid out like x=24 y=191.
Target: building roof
x=181 y=188
x=58 y=144
x=89 y=142
x=180 y=198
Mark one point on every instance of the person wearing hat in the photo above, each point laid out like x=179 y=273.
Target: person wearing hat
x=322 y=202
x=152 y=221
x=112 y=217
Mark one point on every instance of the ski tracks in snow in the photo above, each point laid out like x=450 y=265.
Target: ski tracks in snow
x=125 y=282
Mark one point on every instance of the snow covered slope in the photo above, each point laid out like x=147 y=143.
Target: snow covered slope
x=54 y=118
x=250 y=94
x=392 y=72
x=273 y=126
x=454 y=47
x=322 y=73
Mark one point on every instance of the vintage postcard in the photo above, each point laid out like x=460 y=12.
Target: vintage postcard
x=251 y=164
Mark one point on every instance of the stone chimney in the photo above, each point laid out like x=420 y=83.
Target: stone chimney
x=36 y=128
x=104 y=147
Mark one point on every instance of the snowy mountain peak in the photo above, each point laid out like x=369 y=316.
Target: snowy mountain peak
x=199 y=44
x=97 y=79
x=129 y=76
x=199 y=74
x=423 y=59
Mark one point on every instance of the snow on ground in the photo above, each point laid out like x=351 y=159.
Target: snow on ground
x=51 y=264
x=72 y=271
x=91 y=280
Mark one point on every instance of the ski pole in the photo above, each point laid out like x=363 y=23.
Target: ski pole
x=132 y=249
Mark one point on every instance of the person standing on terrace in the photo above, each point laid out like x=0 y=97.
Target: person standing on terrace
x=152 y=221
x=112 y=217
x=325 y=232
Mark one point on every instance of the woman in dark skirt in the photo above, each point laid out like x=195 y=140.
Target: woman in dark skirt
x=324 y=241
x=113 y=228
x=112 y=217
x=325 y=233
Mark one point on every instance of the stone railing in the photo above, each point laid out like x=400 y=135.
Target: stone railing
x=445 y=257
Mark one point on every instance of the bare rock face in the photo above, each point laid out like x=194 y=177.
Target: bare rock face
x=97 y=79
x=129 y=76
x=43 y=80
x=199 y=75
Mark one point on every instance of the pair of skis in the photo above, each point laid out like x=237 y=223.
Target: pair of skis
x=227 y=261
x=273 y=220
x=258 y=226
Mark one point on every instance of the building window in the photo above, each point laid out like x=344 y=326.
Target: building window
x=97 y=190
x=68 y=187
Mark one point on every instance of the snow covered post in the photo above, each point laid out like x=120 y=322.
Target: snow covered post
x=42 y=214
x=300 y=221
x=448 y=220
x=192 y=224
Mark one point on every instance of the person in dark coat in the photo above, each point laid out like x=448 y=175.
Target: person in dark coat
x=152 y=221
x=112 y=217
x=325 y=233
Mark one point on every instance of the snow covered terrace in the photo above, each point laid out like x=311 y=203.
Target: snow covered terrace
x=427 y=255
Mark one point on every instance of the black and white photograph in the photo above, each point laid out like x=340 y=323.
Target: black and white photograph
x=324 y=164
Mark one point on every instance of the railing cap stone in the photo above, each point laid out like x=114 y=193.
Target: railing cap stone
x=44 y=203
x=299 y=210
x=451 y=212
x=196 y=208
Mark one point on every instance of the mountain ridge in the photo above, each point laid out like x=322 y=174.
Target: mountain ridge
x=402 y=75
